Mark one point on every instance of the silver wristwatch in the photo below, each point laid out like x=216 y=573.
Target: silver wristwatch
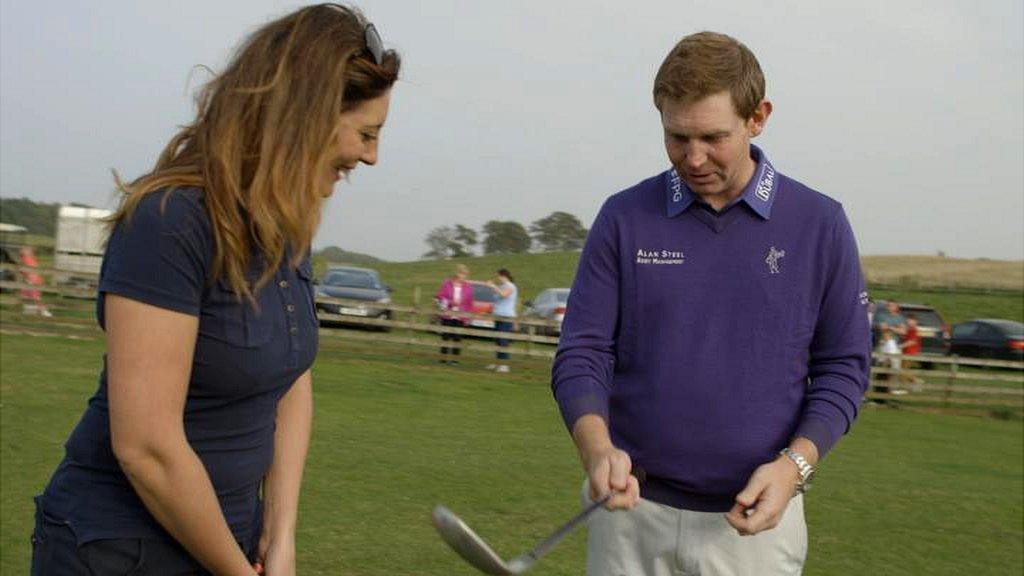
x=805 y=468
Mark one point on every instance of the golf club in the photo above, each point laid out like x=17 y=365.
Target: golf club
x=474 y=550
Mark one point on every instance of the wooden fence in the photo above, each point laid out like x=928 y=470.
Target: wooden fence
x=925 y=381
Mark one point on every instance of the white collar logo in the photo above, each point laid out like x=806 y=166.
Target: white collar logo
x=764 y=185
x=774 y=255
x=677 y=187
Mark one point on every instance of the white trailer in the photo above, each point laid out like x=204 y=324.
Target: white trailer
x=78 y=247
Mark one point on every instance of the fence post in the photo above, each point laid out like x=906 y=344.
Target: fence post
x=532 y=331
x=414 y=317
x=952 y=382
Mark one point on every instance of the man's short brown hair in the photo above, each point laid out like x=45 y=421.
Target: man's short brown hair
x=707 y=63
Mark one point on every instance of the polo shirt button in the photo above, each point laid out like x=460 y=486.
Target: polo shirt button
x=283 y=283
x=294 y=330
x=291 y=307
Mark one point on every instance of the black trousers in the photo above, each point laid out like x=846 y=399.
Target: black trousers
x=447 y=337
x=55 y=552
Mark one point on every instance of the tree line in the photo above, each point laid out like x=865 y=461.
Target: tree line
x=39 y=218
x=559 y=231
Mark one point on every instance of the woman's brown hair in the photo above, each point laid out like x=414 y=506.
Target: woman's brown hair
x=257 y=145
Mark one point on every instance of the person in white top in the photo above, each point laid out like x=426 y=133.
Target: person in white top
x=505 y=311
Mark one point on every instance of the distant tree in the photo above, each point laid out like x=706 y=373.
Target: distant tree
x=450 y=242
x=559 y=231
x=38 y=217
x=440 y=241
x=505 y=238
x=467 y=238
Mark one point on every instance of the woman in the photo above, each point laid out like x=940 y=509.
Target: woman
x=505 y=308
x=190 y=455
x=455 y=293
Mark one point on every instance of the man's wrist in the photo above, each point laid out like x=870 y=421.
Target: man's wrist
x=590 y=434
x=804 y=469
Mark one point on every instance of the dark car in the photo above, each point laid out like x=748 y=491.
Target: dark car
x=352 y=283
x=931 y=327
x=989 y=338
x=548 y=305
x=7 y=257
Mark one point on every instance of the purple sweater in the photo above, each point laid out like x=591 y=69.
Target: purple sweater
x=708 y=340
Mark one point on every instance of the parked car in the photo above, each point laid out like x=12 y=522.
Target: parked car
x=548 y=305
x=350 y=283
x=933 y=329
x=8 y=256
x=989 y=338
x=484 y=298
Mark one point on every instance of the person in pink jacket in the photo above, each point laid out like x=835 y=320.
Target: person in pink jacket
x=455 y=294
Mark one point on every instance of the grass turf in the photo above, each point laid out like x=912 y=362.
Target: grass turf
x=395 y=433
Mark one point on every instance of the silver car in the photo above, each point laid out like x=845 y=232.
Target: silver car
x=368 y=296
x=548 y=305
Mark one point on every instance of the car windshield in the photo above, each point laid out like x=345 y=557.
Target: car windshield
x=928 y=318
x=484 y=293
x=351 y=279
x=562 y=296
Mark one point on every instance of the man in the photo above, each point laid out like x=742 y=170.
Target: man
x=716 y=342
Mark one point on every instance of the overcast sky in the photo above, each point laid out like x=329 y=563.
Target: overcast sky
x=909 y=113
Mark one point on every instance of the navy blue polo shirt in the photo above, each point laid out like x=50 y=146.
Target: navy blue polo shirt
x=709 y=340
x=246 y=358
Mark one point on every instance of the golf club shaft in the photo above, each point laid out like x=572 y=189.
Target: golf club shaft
x=549 y=542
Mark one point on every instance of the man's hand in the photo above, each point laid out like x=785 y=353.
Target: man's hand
x=606 y=466
x=762 y=502
x=608 y=471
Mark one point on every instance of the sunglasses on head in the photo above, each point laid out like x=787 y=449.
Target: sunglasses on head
x=374 y=45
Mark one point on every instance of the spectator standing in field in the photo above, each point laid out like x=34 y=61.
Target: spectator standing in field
x=455 y=294
x=910 y=346
x=894 y=319
x=716 y=342
x=189 y=457
x=31 y=298
x=890 y=348
x=505 y=311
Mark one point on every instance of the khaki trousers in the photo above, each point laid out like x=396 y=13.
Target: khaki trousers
x=657 y=540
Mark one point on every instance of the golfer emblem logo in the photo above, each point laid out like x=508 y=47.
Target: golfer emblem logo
x=774 y=254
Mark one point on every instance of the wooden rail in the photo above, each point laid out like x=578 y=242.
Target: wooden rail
x=948 y=382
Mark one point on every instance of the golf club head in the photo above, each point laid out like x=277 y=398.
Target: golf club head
x=471 y=547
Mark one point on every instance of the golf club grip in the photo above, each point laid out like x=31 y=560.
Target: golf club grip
x=549 y=542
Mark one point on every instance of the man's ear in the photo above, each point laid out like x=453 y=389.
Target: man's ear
x=758 y=118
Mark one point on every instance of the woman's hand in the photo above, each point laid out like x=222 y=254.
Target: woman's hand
x=275 y=556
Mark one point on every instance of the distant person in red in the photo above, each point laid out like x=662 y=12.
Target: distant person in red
x=456 y=294
x=911 y=338
x=31 y=299
x=911 y=346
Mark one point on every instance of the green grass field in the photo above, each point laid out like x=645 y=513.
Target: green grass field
x=396 y=433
